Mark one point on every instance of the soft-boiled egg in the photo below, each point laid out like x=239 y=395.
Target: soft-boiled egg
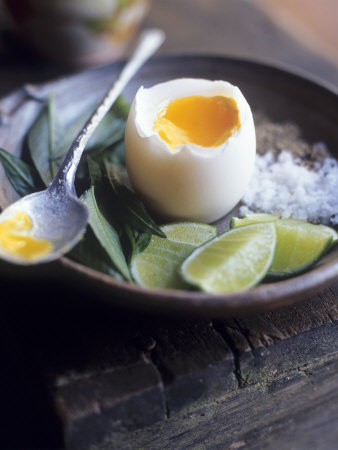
x=190 y=148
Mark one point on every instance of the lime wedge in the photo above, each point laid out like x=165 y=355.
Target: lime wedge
x=158 y=265
x=250 y=219
x=300 y=244
x=233 y=261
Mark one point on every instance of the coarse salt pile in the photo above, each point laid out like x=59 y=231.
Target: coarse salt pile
x=284 y=187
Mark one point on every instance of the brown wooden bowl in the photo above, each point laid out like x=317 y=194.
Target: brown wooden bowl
x=279 y=94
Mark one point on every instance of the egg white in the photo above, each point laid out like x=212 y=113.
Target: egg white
x=192 y=183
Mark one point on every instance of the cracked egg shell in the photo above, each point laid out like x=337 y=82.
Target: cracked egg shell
x=184 y=178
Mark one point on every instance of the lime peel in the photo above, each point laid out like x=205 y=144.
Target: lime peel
x=300 y=244
x=233 y=261
x=158 y=265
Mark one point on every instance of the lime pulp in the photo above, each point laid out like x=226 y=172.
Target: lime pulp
x=300 y=244
x=233 y=261
x=158 y=265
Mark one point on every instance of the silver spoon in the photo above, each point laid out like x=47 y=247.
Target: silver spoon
x=57 y=215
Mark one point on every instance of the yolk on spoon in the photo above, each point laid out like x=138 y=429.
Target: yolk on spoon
x=15 y=240
x=204 y=121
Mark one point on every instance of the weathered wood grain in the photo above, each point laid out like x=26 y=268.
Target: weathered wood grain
x=111 y=373
x=92 y=408
x=195 y=363
x=297 y=412
x=197 y=367
x=267 y=346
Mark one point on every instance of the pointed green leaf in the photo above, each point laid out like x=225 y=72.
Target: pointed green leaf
x=90 y=253
x=117 y=156
x=121 y=107
x=138 y=241
x=112 y=127
x=43 y=141
x=105 y=233
x=135 y=212
x=109 y=131
x=23 y=177
x=94 y=171
x=71 y=132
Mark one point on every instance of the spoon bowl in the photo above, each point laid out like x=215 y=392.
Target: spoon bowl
x=61 y=220
x=56 y=216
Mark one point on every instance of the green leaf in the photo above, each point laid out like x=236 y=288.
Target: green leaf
x=23 y=177
x=71 y=132
x=139 y=240
x=112 y=127
x=121 y=107
x=43 y=141
x=105 y=233
x=94 y=171
x=109 y=131
x=107 y=135
x=49 y=141
x=90 y=253
x=133 y=210
x=114 y=154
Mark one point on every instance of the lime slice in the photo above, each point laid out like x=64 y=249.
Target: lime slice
x=300 y=244
x=158 y=266
x=250 y=219
x=233 y=261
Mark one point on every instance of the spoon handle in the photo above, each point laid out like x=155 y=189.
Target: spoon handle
x=150 y=41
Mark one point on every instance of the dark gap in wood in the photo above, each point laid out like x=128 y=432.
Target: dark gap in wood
x=332 y=318
x=147 y=344
x=164 y=374
x=277 y=333
x=246 y=335
x=304 y=371
x=148 y=357
x=221 y=330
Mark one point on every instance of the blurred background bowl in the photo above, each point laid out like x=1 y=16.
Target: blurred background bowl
x=78 y=32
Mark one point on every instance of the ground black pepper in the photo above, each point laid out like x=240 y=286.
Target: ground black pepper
x=275 y=137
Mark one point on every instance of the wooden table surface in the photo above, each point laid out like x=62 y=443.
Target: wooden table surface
x=77 y=373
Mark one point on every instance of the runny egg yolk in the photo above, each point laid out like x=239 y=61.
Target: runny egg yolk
x=204 y=121
x=14 y=240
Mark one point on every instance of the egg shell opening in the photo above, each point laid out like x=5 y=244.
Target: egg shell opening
x=193 y=183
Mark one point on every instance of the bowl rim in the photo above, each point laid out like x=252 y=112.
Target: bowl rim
x=274 y=294
x=267 y=295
